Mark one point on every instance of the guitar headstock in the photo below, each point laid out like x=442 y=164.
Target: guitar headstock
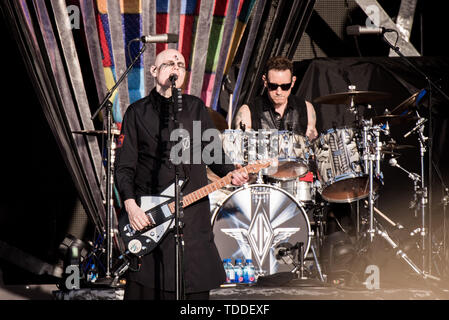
x=258 y=165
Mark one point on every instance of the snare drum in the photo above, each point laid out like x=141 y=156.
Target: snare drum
x=301 y=188
x=253 y=220
x=340 y=168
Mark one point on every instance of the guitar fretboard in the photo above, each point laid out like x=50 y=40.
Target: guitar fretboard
x=204 y=191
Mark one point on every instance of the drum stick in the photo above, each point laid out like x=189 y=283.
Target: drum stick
x=230 y=112
x=384 y=216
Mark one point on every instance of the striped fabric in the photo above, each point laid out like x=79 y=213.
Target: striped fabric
x=201 y=29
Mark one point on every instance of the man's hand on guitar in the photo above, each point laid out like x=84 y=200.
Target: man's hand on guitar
x=239 y=177
x=136 y=216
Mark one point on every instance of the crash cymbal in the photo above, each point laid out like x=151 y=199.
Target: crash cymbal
x=219 y=121
x=407 y=106
x=357 y=96
x=97 y=132
x=393 y=119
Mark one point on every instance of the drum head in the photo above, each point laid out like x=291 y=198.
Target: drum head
x=288 y=170
x=349 y=190
x=253 y=220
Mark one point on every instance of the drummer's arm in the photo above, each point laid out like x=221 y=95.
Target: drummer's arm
x=311 y=131
x=243 y=116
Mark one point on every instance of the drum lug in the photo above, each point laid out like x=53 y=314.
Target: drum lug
x=311 y=233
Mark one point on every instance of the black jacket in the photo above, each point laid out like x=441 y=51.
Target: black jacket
x=143 y=167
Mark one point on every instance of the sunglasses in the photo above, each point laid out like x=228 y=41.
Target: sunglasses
x=274 y=86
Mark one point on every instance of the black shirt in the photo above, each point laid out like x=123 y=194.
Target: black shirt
x=143 y=167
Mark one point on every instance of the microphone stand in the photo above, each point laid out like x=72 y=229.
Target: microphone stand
x=427 y=265
x=179 y=240
x=106 y=103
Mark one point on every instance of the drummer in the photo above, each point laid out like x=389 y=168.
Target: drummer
x=277 y=108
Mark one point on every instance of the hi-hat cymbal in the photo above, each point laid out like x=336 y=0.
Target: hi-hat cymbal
x=391 y=153
x=96 y=132
x=392 y=147
x=219 y=121
x=356 y=96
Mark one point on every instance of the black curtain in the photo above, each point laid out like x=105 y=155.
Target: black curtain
x=321 y=77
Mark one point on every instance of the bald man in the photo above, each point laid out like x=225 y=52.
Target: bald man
x=143 y=167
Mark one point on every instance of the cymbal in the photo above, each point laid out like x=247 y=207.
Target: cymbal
x=393 y=119
x=288 y=170
x=391 y=153
x=97 y=132
x=392 y=146
x=357 y=96
x=219 y=121
x=407 y=105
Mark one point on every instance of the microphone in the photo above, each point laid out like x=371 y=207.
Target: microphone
x=160 y=38
x=394 y=163
x=173 y=77
x=417 y=127
x=358 y=30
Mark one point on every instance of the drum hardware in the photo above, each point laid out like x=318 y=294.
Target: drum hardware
x=421 y=192
x=400 y=253
x=385 y=217
x=286 y=253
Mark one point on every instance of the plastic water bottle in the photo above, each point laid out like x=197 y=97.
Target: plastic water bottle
x=249 y=274
x=229 y=270
x=238 y=270
x=92 y=275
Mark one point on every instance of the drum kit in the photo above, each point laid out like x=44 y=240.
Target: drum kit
x=279 y=220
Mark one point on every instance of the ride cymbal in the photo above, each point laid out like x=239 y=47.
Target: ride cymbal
x=357 y=97
x=393 y=119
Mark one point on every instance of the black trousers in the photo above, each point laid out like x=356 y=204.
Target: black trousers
x=136 y=291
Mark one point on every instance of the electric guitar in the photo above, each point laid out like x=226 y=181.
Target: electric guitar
x=161 y=209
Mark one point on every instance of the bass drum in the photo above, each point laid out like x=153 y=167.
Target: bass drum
x=253 y=220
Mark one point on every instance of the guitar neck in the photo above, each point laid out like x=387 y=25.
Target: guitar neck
x=204 y=191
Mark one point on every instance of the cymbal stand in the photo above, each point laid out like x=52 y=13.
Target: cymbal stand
x=374 y=226
x=109 y=201
x=371 y=132
x=421 y=193
x=384 y=234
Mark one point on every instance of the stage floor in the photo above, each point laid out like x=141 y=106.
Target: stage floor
x=239 y=292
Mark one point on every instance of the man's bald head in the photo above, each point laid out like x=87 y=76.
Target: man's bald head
x=167 y=63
